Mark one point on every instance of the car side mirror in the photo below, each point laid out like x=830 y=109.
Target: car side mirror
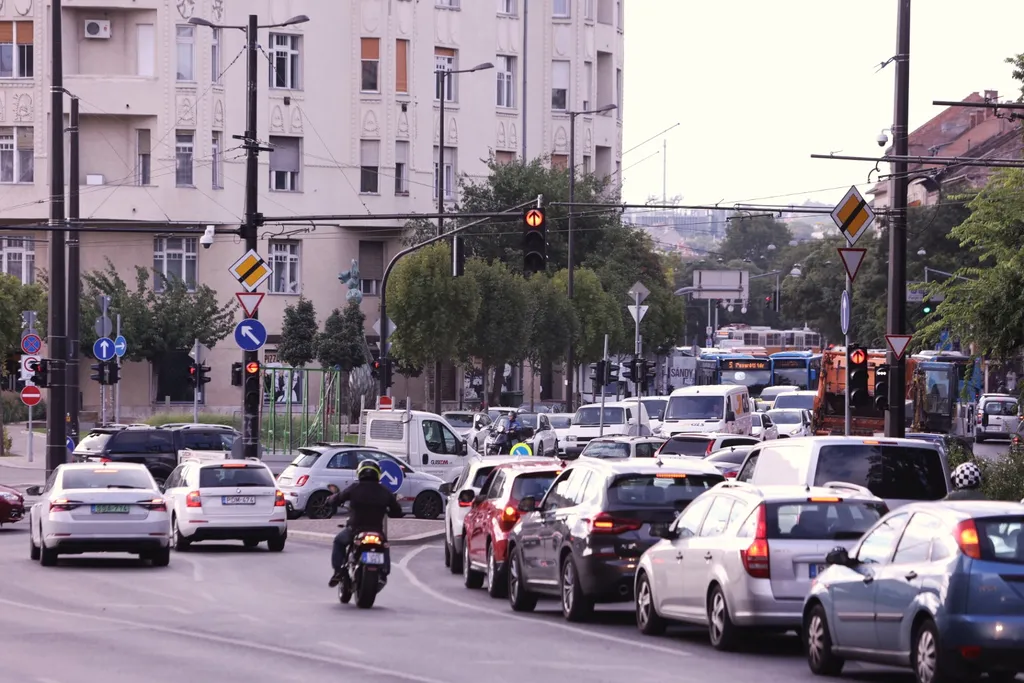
x=838 y=556
x=730 y=416
x=34 y=490
x=463 y=448
x=528 y=504
x=466 y=497
x=445 y=489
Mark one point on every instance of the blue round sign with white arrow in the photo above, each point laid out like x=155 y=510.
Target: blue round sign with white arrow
x=103 y=349
x=120 y=346
x=391 y=475
x=250 y=334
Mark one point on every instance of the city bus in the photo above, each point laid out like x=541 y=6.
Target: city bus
x=799 y=369
x=743 y=370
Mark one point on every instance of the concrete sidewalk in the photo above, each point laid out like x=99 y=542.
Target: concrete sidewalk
x=16 y=469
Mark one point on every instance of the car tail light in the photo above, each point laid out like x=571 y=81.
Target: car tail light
x=755 y=557
x=301 y=481
x=234 y=465
x=825 y=499
x=970 y=651
x=62 y=505
x=730 y=475
x=465 y=503
x=979 y=416
x=154 y=505
x=509 y=517
x=967 y=538
x=709 y=450
x=606 y=524
x=279 y=501
x=192 y=500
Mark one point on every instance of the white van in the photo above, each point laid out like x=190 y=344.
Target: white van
x=619 y=420
x=705 y=409
x=424 y=440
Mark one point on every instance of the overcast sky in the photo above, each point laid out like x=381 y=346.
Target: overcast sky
x=759 y=86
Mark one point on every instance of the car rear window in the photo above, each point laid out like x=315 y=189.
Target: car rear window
x=692 y=445
x=665 y=489
x=534 y=484
x=794 y=401
x=901 y=472
x=459 y=421
x=560 y=422
x=1001 y=408
x=93 y=442
x=107 y=478
x=306 y=458
x=1001 y=539
x=606 y=449
x=839 y=521
x=218 y=476
x=481 y=476
x=733 y=457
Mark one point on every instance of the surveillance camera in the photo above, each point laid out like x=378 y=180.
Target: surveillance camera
x=207 y=239
x=883 y=139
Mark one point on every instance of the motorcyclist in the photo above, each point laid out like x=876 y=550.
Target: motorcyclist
x=514 y=427
x=966 y=483
x=369 y=503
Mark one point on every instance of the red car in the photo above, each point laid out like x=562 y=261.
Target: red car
x=494 y=512
x=12 y=505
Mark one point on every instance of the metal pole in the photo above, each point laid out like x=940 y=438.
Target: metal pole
x=707 y=337
x=195 y=389
x=636 y=339
x=31 y=436
x=117 y=387
x=896 y=317
x=664 y=172
x=103 y=405
x=252 y=384
x=74 y=284
x=56 y=427
x=849 y=412
x=570 y=356
x=778 y=291
x=526 y=31
x=600 y=379
x=442 y=82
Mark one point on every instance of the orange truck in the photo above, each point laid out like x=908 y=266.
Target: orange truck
x=830 y=403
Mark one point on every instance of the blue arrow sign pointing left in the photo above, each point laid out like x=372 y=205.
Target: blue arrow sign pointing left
x=103 y=349
x=250 y=335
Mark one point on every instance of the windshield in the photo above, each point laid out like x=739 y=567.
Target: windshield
x=668 y=489
x=528 y=420
x=591 y=416
x=94 y=442
x=459 y=420
x=786 y=417
x=306 y=458
x=1001 y=539
x=534 y=484
x=214 y=477
x=107 y=478
x=790 y=377
x=560 y=421
x=900 y=472
x=606 y=449
x=756 y=380
x=655 y=407
x=842 y=521
x=686 y=445
x=794 y=400
x=695 y=408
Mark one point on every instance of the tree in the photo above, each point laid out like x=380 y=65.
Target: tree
x=552 y=321
x=596 y=311
x=501 y=333
x=15 y=298
x=749 y=237
x=342 y=343
x=298 y=334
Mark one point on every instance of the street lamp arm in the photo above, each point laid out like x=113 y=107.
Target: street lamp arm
x=199 y=21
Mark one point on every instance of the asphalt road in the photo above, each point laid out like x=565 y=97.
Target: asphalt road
x=222 y=614
x=991 y=450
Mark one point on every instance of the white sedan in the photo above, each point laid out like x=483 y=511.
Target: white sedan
x=762 y=427
x=96 y=508
x=791 y=422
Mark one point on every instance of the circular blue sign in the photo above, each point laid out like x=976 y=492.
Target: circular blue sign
x=31 y=344
x=521 y=449
x=103 y=349
x=391 y=475
x=70 y=443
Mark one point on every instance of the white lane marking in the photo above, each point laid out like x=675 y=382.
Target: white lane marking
x=404 y=566
x=341 y=648
x=40 y=679
x=173 y=608
x=232 y=642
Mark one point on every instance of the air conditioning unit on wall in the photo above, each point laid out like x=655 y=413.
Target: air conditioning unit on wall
x=97 y=29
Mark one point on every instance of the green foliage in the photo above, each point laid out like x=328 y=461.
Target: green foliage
x=154 y=323
x=15 y=298
x=552 y=321
x=8 y=442
x=1017 y=61
x=433 y=312
x=501 y=331
x=298 y=334
x=1001 y=479
x=749 y=238
x=16 y=411
x=342 y=343
x=597 y=312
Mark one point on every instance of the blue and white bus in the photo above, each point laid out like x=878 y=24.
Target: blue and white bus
x=743 y=370
x=800 y=369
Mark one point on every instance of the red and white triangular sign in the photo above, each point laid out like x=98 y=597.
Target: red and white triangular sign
x=250 y=302
x=852 y=258
x=898 y=343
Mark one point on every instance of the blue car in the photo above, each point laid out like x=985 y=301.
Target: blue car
x=936 y=586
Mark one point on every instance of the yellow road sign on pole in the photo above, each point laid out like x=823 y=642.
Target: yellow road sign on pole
x=251 y=270
x=853 y=216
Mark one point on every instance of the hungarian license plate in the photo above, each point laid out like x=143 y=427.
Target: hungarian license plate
x=816 y=569
x=238 y=500
x=110 y=509
x=373 y=558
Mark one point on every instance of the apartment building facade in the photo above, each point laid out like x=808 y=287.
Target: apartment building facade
x=348 y=101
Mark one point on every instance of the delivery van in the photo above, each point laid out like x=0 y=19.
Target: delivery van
x=424 y=440
x=707 y=409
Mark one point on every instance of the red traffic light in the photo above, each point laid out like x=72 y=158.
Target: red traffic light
x=376 y=365
x=252 y=368
x=858 y=357
x=192 y=370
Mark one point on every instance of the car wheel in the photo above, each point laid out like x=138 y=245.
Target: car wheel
x=178 y=542
x=457 y=557
x=160 y=558
x=470 y=577
x=47 y=556
x=926 y=657
x=33 y=549
x=648 y=620
x=317 y=506
x=447 y=552
x=276 y=544
x=721 y=630
x=519 y=597
x=575 y=605
x=818 y=643
x=428 y=505
x=497 y=586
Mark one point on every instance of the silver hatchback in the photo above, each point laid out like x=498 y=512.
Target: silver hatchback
x=742 y=556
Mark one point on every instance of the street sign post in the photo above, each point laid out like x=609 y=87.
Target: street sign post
x=120 y=346
x=391 y=475
x=853 y=216
x=636 y=311
x=31 y=343
x=251 y=270
x=31 y=395
x=28 y=368
x=250 y=302
x=844 y=312
x=852 y=258
x=898 y=344
x=103 y=349
x=250 y=335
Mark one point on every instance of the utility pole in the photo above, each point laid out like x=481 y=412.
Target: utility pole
x=74 y=287
x=56 y=427
x=848 y=417
x=664 y=171
x=442 y=83
x=896 y=315
x=570 y=354
x=525 y=90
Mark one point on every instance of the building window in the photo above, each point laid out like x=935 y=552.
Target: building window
x=450 y=4
x=560 y=85
x=284 y=73
x=402 y=66
x=145 y=50
x=588 y=10
x=174 y=258
x=18 y=258
x=16 y=55
x=504 y=158
x=605 y=12
x=284 y=259
x=216 y=162
x=186 y=45
x=370 y=48
x=506 y=81
x=560 y=161
x=144 y=157
x=448 y=172
x=618 y=94
x=588 y=165
x=184 y=153
x=284 y=163
x=507 y=7
x=371 y=267
x=215 y=56
x=444 y=60
x=620 y=15
x=369 y=166
x=588 y=85
x=17 y=155
x=402 y=167
x=560 y=9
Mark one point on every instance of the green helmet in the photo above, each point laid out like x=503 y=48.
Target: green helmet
x=368 y=470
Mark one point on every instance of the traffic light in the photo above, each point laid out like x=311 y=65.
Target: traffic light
x=40 y=373
x=857 y=376
x=458 y=256
x=113 y=372
x=882 y=388
x=236 y=374
x=612 y=372
x=386 y=366
x=100 y=373
x=926 y=308
x=202 y=374
x=535 y=241
x=252 y=368
x=193 y=375
x=625 y=371
x=768 y=302
x=375 y=370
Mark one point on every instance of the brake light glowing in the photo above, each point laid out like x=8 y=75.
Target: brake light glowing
x=192 y=500
x=709 y=451
x=62 y=505
x=234 y=465
x=825 y=499
x=301 y=481
x=606 y=524
x=756 y=557
x=509 y=517
x=730 y=475
x=279 y=501
x=154 y=505
x=670 y=475
x=967 y=538
x=371 y=539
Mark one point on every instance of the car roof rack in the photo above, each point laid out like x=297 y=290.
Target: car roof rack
x=847 y=486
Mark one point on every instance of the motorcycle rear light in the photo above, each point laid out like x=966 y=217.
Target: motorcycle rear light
x=62 y=505
x=192 y=500
x=967 y=538
x=279 y=501
x=606 y=524
x=301 y=481
x=154 y=505
x=756 y=557
x=371 y=539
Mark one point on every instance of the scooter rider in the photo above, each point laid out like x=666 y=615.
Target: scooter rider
x=966 y=480
x=514 y=428
x=369 y=503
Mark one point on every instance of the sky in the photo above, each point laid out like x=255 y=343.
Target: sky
x=757 y=87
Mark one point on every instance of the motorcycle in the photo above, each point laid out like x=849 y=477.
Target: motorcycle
x=503 y=440
x=363 y=575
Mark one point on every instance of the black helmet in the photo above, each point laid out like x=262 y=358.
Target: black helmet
x=368 y=470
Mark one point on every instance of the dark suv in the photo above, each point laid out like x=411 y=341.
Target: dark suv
x=155 y=447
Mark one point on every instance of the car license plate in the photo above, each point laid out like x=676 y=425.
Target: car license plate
x=816 y=569
x=110 y=509
x=238 y=500
x=373 y=558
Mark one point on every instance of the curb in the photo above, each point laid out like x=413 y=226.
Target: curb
x=21 y=467
x=415 y=539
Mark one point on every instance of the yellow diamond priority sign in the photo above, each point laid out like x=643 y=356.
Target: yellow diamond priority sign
x=853 y=216
x=251 y=270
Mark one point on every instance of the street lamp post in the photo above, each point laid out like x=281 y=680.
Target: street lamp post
x=251 y=380
x=570 y=360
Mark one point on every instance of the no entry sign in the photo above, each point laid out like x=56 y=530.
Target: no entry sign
x=31 y=395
